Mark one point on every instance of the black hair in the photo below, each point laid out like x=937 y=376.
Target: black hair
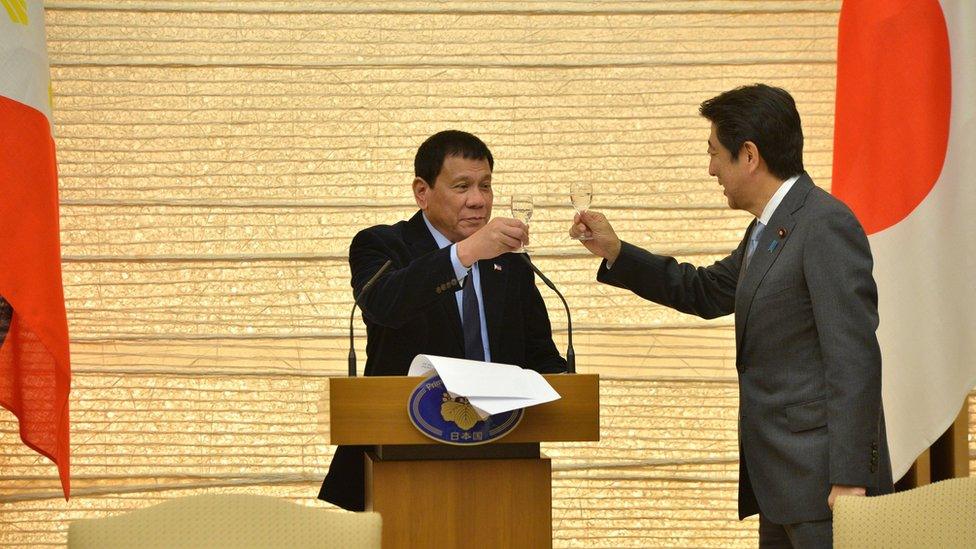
x=765 y=115
x=432 y=152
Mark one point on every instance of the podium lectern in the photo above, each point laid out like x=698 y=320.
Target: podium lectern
x=431 y=494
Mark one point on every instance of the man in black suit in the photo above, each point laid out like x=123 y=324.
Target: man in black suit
x=811 y=426
x=453 y=288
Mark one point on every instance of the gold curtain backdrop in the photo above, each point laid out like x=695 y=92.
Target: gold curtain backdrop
x=216 y=158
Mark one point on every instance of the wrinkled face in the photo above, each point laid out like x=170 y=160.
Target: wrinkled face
x=460 y=201
x=731 y=174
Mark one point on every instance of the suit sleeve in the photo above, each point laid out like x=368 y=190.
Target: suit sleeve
x=406 y=289
x=708 y=292
x=837 y=266
x=540 y=351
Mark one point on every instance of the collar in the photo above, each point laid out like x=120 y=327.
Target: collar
x=775 y=200
x=439 y=238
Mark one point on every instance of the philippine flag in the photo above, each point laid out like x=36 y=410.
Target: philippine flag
x=905 y=162
x=34 y=361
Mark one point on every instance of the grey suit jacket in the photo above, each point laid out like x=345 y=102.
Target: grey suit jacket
x=808 y=361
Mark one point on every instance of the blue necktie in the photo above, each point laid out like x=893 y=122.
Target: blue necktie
x=471 y=321
x=754 y=241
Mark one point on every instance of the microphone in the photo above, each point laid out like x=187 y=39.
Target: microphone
x=570 y=354
x=352 y=314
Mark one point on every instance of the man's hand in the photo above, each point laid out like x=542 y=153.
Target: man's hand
x=842 y=490
x=603 y=240
x=499 y=236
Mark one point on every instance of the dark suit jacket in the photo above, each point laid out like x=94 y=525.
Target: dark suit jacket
x=809 y=365
x=412 y=309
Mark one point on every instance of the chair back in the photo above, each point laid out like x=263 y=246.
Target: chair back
x=228 y=520
x=940 y=515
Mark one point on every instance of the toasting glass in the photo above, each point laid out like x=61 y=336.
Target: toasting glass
x=522 y=210
x=581 y=194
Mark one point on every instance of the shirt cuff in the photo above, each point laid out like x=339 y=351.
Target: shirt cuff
x=460 y=271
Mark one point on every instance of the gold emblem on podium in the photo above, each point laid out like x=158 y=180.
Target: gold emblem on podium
x=459 y=411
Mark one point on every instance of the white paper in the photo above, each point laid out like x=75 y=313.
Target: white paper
x=490 y=387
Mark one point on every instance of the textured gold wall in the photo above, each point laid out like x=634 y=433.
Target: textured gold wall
x=217 y=157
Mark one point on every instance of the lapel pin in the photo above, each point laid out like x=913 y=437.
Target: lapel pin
x=497 y=267
x=781 y=233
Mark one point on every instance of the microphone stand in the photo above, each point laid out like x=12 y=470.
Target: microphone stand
x=570 y=354
x=352 y=314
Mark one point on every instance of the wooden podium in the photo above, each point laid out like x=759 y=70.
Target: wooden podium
x=430 y=494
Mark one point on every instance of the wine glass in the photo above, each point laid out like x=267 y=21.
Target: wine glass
x=522 y=210
x=581 y=194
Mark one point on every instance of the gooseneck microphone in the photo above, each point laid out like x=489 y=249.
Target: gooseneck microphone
x=352 y=314
x=570 y=354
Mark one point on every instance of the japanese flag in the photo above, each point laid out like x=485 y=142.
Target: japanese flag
x=905 y=162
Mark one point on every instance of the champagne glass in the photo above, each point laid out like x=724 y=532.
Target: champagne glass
x=581 y=194
x=522 y=210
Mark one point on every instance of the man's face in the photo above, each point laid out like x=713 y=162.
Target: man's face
x=460 y=201
x=731 y=174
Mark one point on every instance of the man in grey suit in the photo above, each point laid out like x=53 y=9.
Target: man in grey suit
x=811 y=425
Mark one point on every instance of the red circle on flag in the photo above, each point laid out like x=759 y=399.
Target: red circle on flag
x=891 y=123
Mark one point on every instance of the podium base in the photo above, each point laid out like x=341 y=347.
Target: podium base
x=463 y=503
